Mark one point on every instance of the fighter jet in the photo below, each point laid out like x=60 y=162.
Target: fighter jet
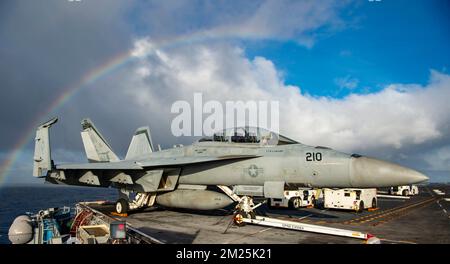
x=234 y=165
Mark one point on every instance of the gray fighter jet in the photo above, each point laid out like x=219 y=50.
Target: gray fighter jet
x=233 y=165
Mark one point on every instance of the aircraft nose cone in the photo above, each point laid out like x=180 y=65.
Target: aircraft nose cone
x=370 y=172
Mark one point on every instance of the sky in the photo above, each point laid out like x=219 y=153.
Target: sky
x=359 y=76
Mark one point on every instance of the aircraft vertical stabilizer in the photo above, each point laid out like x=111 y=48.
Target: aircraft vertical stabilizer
x=141 y=144
x=42 y=156
x=95 y=145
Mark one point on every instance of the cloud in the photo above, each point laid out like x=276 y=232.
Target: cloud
x=292 y=20
x=397 y=115
x=398 y=122
x=301 y=21
x=346 y=82
x=47 y=47
x=439 y=159
x=392 y=123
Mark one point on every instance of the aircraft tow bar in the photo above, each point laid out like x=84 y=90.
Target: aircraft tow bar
x=245 y=215
x=291 y=225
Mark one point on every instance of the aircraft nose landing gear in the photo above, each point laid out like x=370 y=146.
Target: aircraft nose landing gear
x=245 y=209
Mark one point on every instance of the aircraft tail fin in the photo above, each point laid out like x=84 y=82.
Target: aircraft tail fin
x=96 y=147
x=42 y=155
x=141 y=144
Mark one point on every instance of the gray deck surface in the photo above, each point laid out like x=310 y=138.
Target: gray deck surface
x=421 y=219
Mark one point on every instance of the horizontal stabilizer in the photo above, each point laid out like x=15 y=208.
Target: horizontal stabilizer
x=95 y=145
x=120 y=165
x=141 y=144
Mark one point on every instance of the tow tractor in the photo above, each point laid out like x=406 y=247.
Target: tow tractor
x=350 y=199
x=245 y=214
x=296 y=198
x=404 y=190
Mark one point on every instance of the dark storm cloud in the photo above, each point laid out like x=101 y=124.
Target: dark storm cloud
x=45 y=47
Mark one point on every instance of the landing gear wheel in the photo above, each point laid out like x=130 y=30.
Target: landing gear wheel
x=122 y=206
x=296 y=203
x=374 y=203
x=238 y=219
x=361 y=207
x=240 y=215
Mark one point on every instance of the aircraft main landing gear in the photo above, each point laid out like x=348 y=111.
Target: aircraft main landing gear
x=141 y=200
x=122 y=206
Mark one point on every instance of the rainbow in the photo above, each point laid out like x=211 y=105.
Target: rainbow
x=95 y=74
x=69 y=92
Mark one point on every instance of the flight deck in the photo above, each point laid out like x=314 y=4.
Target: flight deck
x=421 y=219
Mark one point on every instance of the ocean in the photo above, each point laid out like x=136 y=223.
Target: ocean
x=15 y=201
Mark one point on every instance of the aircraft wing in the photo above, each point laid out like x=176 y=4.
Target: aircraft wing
x=143 y=176
x=154 y=162
x=178 y=161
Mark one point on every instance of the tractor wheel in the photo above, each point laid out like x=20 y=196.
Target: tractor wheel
x=361 y=207
x=374 y=203
x=296 y=203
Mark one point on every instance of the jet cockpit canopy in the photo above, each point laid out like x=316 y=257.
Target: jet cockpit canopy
x=250 y=135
